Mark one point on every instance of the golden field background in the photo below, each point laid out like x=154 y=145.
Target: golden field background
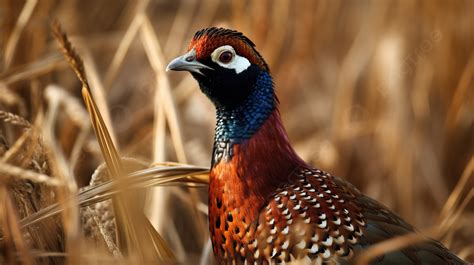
x=377 y=92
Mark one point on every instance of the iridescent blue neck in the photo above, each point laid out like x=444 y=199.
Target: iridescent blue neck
x=241 y=122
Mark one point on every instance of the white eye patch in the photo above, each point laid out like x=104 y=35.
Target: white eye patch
x=237 y=62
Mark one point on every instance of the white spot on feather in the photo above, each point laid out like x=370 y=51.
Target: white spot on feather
x=256 y=254
x=285 y=244
x=272 y=221
x=301 y=244
x=254 y=244
x=326 y=254
x=339 y=240
x=313 y=249
x=328 y=241
x=273 y=231
x=323 y=224
x=349 y=227
x=269 y=239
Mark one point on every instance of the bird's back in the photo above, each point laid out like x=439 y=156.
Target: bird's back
x=320 y=218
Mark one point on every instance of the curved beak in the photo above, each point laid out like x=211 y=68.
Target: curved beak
x=187 y=62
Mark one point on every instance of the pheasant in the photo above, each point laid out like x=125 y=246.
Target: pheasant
x=266 y=205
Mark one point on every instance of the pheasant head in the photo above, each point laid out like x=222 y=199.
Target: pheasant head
x=225 y=63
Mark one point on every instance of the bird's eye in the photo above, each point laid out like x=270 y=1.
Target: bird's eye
x=226 y=56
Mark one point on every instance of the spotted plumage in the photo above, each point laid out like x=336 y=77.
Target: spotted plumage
x=266 y=205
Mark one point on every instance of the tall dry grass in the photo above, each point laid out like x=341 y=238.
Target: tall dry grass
x=377 y=92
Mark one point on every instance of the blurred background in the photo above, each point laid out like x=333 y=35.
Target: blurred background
x=380 y=93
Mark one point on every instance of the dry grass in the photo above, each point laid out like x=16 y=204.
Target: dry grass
x=378 y=92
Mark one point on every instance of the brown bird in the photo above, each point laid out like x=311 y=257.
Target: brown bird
x=266 y=205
